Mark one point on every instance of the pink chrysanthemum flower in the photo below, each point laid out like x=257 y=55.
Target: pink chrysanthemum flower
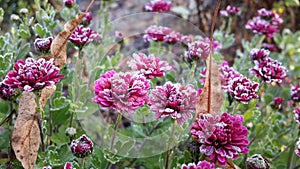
x=201 y=165
x=269 y=70
x=69 y=3
x=297 y=150
x=259 y=54
x=186 y=40
x=150 y=66
x=230 y=11
x=173 y=100
x=243 y=90
x=200 y=49
x=68 y=165
x=43 y=44
x=295 y=93
x=158 y=6
x=270 y=46
x=227 y=74
x=270 y=16
x=124 y=92
x=173 y=37
x=222 y=136
x=156 y=33
x=7 y=93
x=119 y=36
x=82 y=147
x=297 y=115
x=33 y=74
x=82 y=36
x=261 y=26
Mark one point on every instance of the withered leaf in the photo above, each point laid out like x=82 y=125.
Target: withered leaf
x=59 y=44
x=210 y=100
x=26 y=134
x=46 y=94
x=231 y=165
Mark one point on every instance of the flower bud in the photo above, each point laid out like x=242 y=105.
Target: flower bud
x=69 y=3
x=257 y=161
x=70 y=131
x=82 y=147
x=68 y=165
x=87 y=19
x=47 y=167
x=24 y=11
x=43 y=44
x=15 y=18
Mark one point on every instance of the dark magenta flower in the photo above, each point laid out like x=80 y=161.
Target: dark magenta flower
x=173 y=37
x=269 y=15
x=87 y=19
x=201 y=165
x=33 y=74
x=150 y=66
x=295 y=93
x=230 y=11
x=7 y=93
x=261 y=26
x=269 y=70
x=156 y=33
x=257 y=161
x=158 y=6
x=68 y=165
x=69 y=3
x=124 y=92
x=243 y=90
x=81 y=147
x=277 y=101
x=222 y=136
x=82 y=36
x=297 y=150
x=227 y=74
x=43 y=44
x=173 y=100
x=259 y=54
x=200 y=49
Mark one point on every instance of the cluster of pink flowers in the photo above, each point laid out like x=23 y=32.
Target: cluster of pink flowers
x=200 y=165
x=297 y=150
x=239 y=87
x=266 y=23
x=43 y=44
x=200 y=49
x=267 y=69
x=173 y=100
x=295 y=93
x=162 y=34
x=158 y=6
x=124 y=92
x=82 y=147
x=222 y=136
x=81 y=36
x=33 y=74
x=7 y=93
x=150 y=66
x=230 y=11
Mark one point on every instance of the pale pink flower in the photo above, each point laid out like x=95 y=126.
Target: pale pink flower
x=82 y=35
x=158 y=6
x=201 y=165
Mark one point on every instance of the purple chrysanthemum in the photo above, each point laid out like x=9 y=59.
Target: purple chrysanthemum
x=261 y=26
x=270 y=46
x=200 y=49
x=173 y=100
x=201 y=165
x=33 y=74
x=150 y=66
x=161 y=34
x=295 y=93
x=158 y=6
x=186 y=40
x=227 y=74
x=269 y=15
x=124 y=92
x=297 y=150
x=222 y=136
x=43 y=44
x=173 y=37
x=259 y=54
x=230 y=11
x=82 y=36
x=7 y=93
x=82 y=147
x=269 y=70
x=68 y=165
x=297 y=115
x=242 y=89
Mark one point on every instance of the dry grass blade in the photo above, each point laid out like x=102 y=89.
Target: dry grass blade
x=46 y=94
x=59 y=44
x=26 y=134
x=210 y=100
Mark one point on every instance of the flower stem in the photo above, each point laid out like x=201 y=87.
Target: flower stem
x=119 y=119
x=168 y=162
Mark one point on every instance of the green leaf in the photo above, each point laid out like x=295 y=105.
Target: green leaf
x=24 y=51
x=38 y=28
x=5 y=63
x=59 y=110
x=1 y=14
x=292 y=3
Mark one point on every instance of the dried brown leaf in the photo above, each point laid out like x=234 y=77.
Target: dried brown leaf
x=231 y=165
x=59 y=44
x=210 y=100
x=26 y=134
x=46 y=94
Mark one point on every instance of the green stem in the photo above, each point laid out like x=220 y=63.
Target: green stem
x=40 y=117
x=168 y=162
x=119 y=119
